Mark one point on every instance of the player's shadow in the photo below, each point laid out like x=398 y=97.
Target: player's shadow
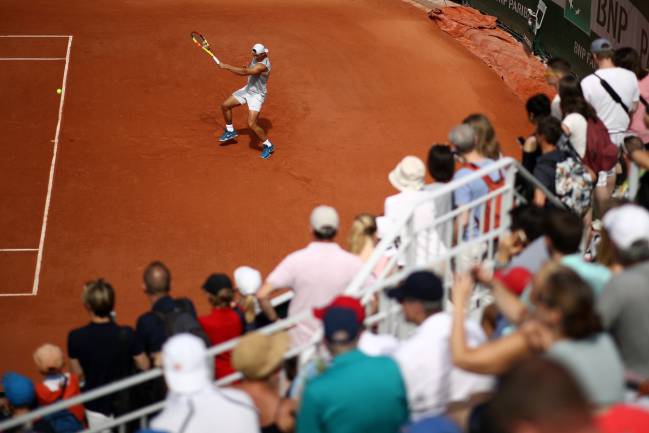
x=254 y=143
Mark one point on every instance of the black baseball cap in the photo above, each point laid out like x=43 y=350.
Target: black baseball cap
x=419 y=286
x=341 y=325
x=216 y=282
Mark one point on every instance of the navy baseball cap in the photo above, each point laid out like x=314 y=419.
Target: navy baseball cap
x=419 y=286
x=601 y=45
x=216 y=282
x=341 y=325
x=18 y=389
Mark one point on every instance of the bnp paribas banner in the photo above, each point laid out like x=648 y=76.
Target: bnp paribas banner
x=566 y=27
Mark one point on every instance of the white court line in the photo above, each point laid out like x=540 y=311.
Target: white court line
x=16 y=294
x=16 y=250
x=39 y=258
x=7 y=59
x=35 y=36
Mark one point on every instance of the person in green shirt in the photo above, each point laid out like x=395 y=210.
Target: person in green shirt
x=357 y=392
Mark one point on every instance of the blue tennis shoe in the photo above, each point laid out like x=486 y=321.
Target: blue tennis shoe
x=228 y=135
x=268 y=150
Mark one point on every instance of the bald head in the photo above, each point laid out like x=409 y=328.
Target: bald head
x=157 y=278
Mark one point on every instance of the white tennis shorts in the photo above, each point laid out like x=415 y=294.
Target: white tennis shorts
x=254 y=100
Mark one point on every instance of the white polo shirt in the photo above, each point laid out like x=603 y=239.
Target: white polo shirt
x=432 y=382
x=625 y=84
x=316 y=275
x=209 y=410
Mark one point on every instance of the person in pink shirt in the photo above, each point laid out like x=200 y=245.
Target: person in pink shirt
x=316 y=274
x=628 y=58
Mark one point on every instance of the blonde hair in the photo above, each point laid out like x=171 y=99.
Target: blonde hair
x=486 y=142
x=363 y=228
x=248 y=306
x=99 y=296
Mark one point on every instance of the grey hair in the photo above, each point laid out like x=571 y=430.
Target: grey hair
x=463 y=138
x=638 y=252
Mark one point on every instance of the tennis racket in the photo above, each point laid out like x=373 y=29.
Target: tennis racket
x=200 y=41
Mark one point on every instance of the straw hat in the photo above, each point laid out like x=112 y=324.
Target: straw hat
x=408 y=175
x=258 y=355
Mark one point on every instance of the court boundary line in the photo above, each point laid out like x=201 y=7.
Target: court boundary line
x=48 y=198
x=16 y=250
x=35 y=36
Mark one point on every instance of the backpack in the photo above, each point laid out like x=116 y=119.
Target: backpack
x=182 y=320
x=63 y=421
x=572 y=182
x=601 y=154
x=491 y=186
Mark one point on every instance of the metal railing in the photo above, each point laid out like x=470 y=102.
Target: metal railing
x=413 y=252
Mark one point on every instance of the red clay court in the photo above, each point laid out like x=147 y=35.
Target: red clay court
x=136 y=173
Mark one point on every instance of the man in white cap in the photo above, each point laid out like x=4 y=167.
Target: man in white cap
x=253 y=94
x=316 y=274
x=194 y=403
x=624 y=304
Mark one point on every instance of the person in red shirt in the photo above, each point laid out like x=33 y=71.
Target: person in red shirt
x=224 y=322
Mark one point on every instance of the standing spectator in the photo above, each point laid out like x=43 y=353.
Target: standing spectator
x=316 y=274
x=151 y=325
x=577 y=113
x=628 y=58
x=487 y=144
x=260 y=358
x=194 y=403
x=463 y=139
x=615 y=105
x=362 y=236
x=408 y=178
x=102 y=351
x=625 y=301
x=432 y=382
x=548 y=132
x=538 y=107
x=357 y=393
x=441 y=168
x=556 y=69
x=19 y=391
x=57 y=384
x=563 y=234
x=223 y=323
x=248 y=282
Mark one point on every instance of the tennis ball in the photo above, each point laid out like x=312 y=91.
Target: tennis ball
x=58 y=91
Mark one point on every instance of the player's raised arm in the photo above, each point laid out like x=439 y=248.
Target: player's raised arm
x=257 y=69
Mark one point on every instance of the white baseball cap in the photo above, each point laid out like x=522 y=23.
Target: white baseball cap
x=185 y=364
x=259 y=48
x=247 y=280
x=324 y=216
x=627 y=224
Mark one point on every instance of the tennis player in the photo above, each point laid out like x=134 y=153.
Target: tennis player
x=252 y=94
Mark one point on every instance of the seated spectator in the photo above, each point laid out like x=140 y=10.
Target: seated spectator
x=556 y=69
x=432 y=383
x=357 y=393
x=441 y=168
x=362 y=236
x=487 y=144
x=625 y=301
x=564 y=232
x=569 y=330
x=463 y=140
x=548 y=133
x=316 y=274
x=408 y=178
x=194 y=404
x=523 y=246
x=540 y=395
x=248 y=282
x=151 y=327
x=20 y=394
x=102 y=351
x=260 y=358
x=223 y=323
x=57 y=384
x=538 y=107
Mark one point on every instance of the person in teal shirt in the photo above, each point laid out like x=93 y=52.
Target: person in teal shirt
x=357 y=392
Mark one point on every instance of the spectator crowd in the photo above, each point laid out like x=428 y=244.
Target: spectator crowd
x=561 y=346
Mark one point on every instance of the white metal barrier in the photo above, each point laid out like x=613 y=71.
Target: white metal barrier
x=413 y=252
